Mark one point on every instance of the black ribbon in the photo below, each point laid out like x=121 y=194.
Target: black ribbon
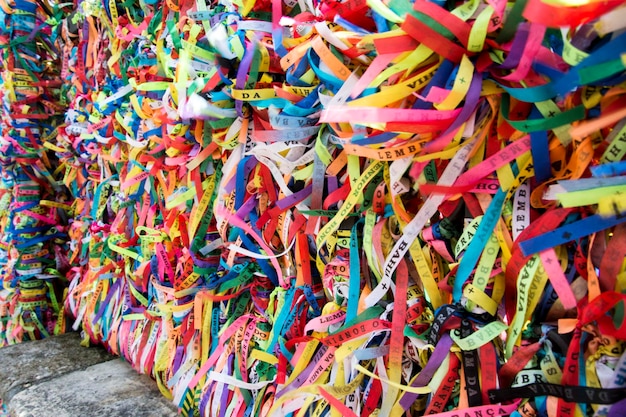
x=470 y=366
x=574 y=394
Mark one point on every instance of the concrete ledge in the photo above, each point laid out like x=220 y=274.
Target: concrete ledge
x=30 y=363
x=110 y=388
x=56 y=377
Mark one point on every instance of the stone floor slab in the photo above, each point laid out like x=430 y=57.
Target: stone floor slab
x=111 y=389
x=30 y=363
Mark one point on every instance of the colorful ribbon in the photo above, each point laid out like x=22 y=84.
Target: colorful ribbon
x=334 y=208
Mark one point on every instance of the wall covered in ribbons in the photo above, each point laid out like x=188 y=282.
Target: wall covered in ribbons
x=324 y=208
x=34 y=202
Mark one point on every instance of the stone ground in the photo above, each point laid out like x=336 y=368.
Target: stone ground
x=56 y=377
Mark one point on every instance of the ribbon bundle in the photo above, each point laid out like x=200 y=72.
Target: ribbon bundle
x=32 y=243
x=350 y=208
